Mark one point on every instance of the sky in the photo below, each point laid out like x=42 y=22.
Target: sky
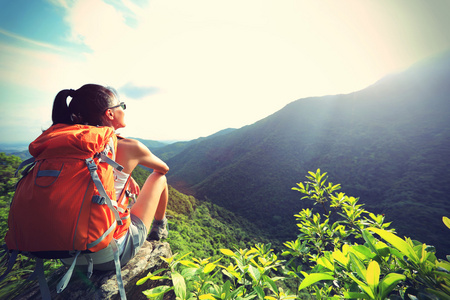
x=189 y=68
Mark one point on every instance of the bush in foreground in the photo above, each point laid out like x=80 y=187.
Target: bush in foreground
x=344 y=252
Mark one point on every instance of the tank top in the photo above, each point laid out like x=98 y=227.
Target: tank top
x=120 y=179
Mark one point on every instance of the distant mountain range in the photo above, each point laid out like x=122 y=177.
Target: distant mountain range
x=388 y=144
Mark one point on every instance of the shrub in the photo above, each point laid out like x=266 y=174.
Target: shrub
x=342 y=252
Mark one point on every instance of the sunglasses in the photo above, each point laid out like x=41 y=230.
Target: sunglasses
x=122 y=104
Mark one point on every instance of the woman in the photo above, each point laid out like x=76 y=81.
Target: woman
x=100 y=106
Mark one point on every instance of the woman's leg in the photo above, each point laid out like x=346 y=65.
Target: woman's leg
x=152 y=200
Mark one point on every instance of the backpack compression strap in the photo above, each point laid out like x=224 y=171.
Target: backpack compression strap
x=111 y=162
x=26 y=162
x=98 y=183
x=65 y=280
x=104 y=155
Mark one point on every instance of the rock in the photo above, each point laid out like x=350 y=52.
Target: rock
x=103 y=285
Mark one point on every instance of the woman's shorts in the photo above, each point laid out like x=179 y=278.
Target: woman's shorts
x=135 y=237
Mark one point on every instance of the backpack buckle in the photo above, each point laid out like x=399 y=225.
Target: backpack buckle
x=99 y=199
x=91 y=165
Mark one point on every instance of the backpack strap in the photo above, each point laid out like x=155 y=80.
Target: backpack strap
x=92 y=167
x=104 y=155
x=11 y=261
x=111 y=162
x=115 y=249
x=39 y=272
x=62 y=284
x=26 y=162
x=103 y=236
x=90 y=269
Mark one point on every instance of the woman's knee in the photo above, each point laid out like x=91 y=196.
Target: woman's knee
x=156 y=177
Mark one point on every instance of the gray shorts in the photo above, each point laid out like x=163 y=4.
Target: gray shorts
x=136 y=236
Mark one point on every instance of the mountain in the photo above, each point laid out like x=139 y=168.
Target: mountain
x=22 y=154
x=388 y=144
x=173 y=149
x=13 y=147
x=150 y=143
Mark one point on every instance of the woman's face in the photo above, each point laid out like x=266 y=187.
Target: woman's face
x=116 y=114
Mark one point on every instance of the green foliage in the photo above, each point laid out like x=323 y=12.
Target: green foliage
x=359 y=265
x=8 y=166
x=140 y=174
x=202 y=227
x=250 y=275
x=336 y=256
x=342 y=220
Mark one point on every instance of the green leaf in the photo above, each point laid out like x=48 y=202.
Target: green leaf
x=389 y=282
x=179 y=285
x=206 y=297
x=254 y=273
x=341 y=258
x=227 y=252
x=259 y=291
x=358 y=266
x=208 y=268
x=152 y=276
x=373 y=275
x=142 y=280
x=189 y=272
x=157 y=292
x=270 y=283
x=446 y=221
x=382 y=249
x=313 y=278
x=397 y=242
x=326 y=263
x=362 y=285
x=362 y=252
x=189 y=264
x=370 y=240
x=250 y=252
x=445 y=265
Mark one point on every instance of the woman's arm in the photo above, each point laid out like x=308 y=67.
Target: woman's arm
x=131 y=153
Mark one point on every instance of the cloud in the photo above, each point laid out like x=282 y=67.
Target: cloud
x=204 y=61
x=32 y=42
x=137 y=92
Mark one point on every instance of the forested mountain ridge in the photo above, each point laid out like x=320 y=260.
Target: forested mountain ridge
x=388 y=144
x=175 y=148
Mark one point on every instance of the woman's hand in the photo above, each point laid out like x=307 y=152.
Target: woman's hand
x=134 y=187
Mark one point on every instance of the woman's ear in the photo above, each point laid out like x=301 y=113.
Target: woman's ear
x=109 y=114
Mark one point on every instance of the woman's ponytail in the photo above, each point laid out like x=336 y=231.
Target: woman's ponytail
x=87 y=106
x=60 y=112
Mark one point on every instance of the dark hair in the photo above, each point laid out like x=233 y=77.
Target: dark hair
x=87 y=106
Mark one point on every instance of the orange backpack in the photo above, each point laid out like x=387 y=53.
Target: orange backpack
x=65 y=204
